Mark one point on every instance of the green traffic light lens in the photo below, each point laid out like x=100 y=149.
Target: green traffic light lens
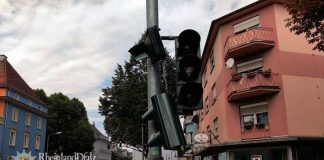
x=190 y=94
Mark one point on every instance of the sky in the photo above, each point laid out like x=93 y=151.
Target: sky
x=73 y=46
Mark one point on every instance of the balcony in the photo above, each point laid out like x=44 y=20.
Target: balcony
x=248 y=42
x=252 y=84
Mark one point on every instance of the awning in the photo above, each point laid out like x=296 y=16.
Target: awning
x=219 y=148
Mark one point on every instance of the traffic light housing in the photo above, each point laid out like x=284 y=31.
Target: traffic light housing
x=152 y=46
x=170 y=133
x=189 y=89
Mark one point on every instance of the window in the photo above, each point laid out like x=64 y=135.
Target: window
x=16 y=96
x=202 y=115
x=250 y=23
x=206 y=104
x=29 y=103
x=209 y=133
x=14 y=115
x=248 y=120
x=27 y=119
x=254 y=114
x=1 y=119
x=205 y=77
x=37 y=141
x=214 y=92
x=250 y=66
x=262 y=118
x=39 y=123
x=216 y=126
x=211 y=60
x=12 y=137
x=26 y=140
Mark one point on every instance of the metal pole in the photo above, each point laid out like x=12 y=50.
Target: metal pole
x=153 y=76
x=47 y=142
x=143 y=149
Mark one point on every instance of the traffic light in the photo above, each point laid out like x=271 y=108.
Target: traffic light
x=151 y=47
x=170 y=134
x=189 y=89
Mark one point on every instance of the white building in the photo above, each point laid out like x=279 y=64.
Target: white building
x=102 y=148
x=166 y=154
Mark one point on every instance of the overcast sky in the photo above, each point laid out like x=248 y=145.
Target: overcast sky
x=73 y=46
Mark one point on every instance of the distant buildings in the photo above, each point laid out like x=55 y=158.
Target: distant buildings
x=22 y=115
x=103 y=148
x=166 y=154
x=268 y=103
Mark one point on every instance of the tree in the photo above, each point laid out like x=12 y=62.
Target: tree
x=307 y=16
x=125 y=101
x=119 y=155
x=68 y=116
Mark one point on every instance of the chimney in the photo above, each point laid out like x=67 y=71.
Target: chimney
x=3 y=57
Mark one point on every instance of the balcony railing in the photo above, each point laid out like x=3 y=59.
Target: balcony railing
x=255 y=133
x=252 y=84
x=250 y=41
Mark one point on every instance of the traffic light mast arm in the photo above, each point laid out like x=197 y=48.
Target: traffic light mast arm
x=170 y=38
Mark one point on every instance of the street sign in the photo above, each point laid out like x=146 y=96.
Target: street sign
x=201 y=137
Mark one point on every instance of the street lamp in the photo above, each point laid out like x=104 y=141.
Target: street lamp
x=48 y=138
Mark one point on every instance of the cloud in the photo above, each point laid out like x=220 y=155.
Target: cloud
x=73 y=46
x=69 y=47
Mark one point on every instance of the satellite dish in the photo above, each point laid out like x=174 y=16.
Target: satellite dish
x=229 y=63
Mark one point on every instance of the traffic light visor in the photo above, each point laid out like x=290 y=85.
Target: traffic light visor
x=189 y=41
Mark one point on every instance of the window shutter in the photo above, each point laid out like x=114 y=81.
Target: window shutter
x=246 y=24
x=249 y=65
x=254 y=108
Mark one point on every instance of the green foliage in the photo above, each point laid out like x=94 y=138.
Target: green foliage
x=125 y=101
x=70 y=117
x=307 y=16
x=120 y=156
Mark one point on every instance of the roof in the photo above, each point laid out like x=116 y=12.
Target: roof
x=9 y=78
x=215 y=24
x=98 y=134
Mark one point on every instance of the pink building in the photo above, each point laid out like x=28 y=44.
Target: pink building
x=270 y=104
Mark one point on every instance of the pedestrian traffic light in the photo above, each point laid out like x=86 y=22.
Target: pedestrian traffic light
x=169 y=131
x=189 y=89
x=152 y=46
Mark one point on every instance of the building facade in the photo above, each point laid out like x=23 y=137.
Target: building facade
x=102 y=147
x=263 y=88
x=166 y=154
x=22 y=115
